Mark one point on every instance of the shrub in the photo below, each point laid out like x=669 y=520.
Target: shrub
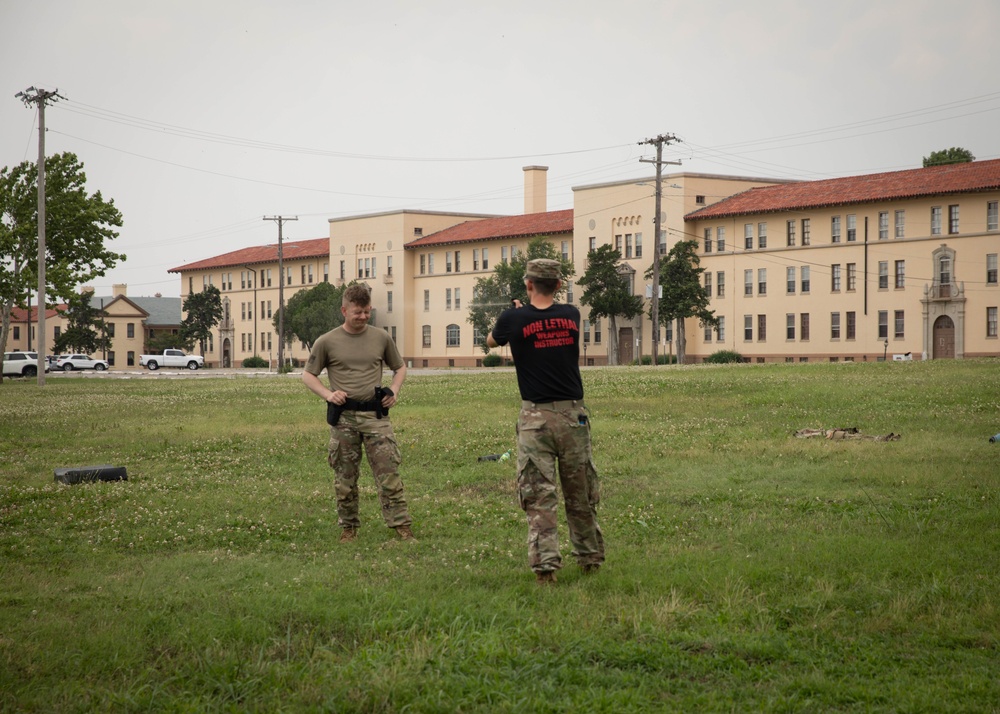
x=660 y=359
x=255 y=361
x=724 y=357
x=492 y=360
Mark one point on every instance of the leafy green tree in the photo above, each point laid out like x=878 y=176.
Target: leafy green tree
x=86 y=330
x=204 y=311
x=77 y=227
x=954 y=155
x=606 y=292
x=312 y=313
x=683 y=293
x=493 y=295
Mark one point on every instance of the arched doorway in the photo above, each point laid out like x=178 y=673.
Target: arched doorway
x=944 y=338
x=226 y=354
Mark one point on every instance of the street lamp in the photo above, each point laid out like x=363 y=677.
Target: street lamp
x=885 y=354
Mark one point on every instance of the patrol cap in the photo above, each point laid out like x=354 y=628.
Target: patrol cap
x=543 y=269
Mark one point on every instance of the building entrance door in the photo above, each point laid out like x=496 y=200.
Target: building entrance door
x=944 y=338
x=625 y=346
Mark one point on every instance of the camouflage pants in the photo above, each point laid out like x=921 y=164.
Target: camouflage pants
x=547 y=433
x=346 y=439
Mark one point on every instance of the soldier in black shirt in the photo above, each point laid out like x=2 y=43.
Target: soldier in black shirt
x=544 y=339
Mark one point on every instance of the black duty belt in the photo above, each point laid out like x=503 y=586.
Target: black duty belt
x=333 y=411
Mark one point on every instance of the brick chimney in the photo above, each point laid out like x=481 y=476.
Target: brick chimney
x=119 y=289
x=535 y=187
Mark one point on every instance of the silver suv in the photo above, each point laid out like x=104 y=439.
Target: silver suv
x=21 y=364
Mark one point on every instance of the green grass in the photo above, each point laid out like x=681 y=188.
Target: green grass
x=747 y=570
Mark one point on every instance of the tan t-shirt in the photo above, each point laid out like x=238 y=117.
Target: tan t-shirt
x=352 y=362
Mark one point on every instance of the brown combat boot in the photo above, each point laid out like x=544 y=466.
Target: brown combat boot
x=349 y=534
x=546 y=578
x=590 y=568
x=405 y=533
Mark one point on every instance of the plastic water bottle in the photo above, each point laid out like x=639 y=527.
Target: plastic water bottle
x=505 y=456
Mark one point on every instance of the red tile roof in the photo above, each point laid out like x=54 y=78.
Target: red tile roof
x=531 y=224
x=19 y=314
x=292 y=250
x=895 y=185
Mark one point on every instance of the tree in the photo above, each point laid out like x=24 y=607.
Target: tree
x=312 y=313
x=606 y=292
x=204 y=311
x=77 y=226
x=683 y=294
x=954 y=155
x=86 y=331
x=493 y=295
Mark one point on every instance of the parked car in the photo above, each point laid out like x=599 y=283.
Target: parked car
x=21 y=364
x=67 y=363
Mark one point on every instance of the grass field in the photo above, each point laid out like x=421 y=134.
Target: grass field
x=748 y=570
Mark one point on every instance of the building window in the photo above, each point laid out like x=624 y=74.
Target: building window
x=852 y=228
x=430 y=264
x=762 y=281
x=835 y=278
x=130 y=328
x=388 y=298
x=597 y=332
x=883 y=225
x=427 y=300
x=326 y=270
x=991 y=216
x=628 y=245
x=720 y=331
x=804 y=326
x=458 y=261
x=361 y=268
x=475 y=258
x=720 y=239
x=748 y=282
x=899 y=324
x=708 y=333
x=806 y=231
x=883 y=275
x=790 y=233
x=761 y=328
x=453 y=336
x=426 y=330
x=883 y=324
x=486 y=258
x=423 y=265
x=834 y=325
x=935 y=220
x=748 y=236
x=638 y=246
x=662 y=247
x=708 y=240
x=388 y=265
x=790 y=281
x=748 y=328
x=592 y=244
x=852 y=276
x=953 y=219
x=851 y=324
x=708 y=284
x=447 y=298
x=835 y=229
x=900 y=224
x=761 y=235
x=343 y=270
x=804 y=273
x=458 y=299
x=790 y=326
x=991 y=322
x=900 y=274
x=720 y=284
x=447 y=261
x=991 y=269
x=586 y=332
x=503 y=254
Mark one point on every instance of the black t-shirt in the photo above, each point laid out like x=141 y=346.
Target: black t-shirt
x=545 y=345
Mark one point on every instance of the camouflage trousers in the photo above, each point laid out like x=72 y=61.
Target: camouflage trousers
x=346 y=439
x=547 y=433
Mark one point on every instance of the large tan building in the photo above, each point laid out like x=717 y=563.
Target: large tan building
x=892 y=265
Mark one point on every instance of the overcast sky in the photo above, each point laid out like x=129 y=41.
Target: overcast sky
x=199 y=118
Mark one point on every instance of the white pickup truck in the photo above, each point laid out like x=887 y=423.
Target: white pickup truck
x=171 y=358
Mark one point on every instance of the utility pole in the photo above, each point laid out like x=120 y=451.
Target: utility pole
x=280 y=220
x=41 y=97
x=659 y=141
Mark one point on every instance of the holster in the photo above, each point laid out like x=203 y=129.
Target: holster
x=333 y=411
